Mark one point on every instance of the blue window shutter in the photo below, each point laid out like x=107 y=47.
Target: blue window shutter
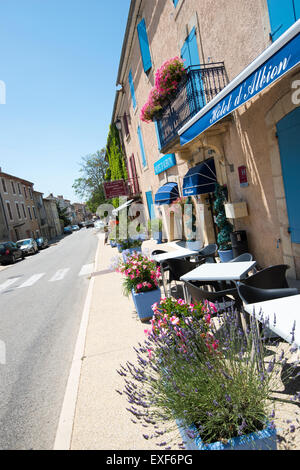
x=144 y=45
x=175 y=3
x=282 y=16
x=189 y=50
x=157 y=135
x=144 y=161
x=130 y=79
x=195 y=89
x=297 y=9
x=150 y=204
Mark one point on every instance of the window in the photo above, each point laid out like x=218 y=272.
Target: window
x=24 y=211
x=30 y=193
x=9 y=210
x=175 y=3
x=18 y=210
x=190 y=55
x=130 y=79
x=25 y=192
x=144 y=160
x=29 y=212
x=34 y=212
x=4 y=185
x=126 y=127
x=13 y=187
x=144 y=45
x=19 y=189
x=282 y=16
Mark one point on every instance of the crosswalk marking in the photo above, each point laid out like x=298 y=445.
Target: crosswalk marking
x=86 y=269
x=32 y=280
x=59 y=275
x=8 y=283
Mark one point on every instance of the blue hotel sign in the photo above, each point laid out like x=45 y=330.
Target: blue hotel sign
x=167 y=161
x=271 y=70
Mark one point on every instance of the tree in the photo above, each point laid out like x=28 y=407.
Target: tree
x=89 y=186
x=116 y=162
x=62 y=215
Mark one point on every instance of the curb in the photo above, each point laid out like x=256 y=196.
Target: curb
x=66 y=420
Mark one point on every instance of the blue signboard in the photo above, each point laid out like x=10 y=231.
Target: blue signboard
x=271 y=70
x=167 y=161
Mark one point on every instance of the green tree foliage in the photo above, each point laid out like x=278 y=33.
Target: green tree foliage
x=225 y=227
x=116 y=162
x=62 y=215
x=89 y=186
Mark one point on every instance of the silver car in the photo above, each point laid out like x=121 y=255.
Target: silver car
x=28 y=246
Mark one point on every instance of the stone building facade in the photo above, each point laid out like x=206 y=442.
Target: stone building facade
x=253 y=45
x=19 y=207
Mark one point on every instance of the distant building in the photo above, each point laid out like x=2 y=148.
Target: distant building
x=80 y=212
x=54 y=228
x=41 y=213
x=19 y=207
x=3 y=222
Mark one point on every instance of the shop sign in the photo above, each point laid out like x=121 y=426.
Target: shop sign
x=243 y=176
x=164 y=163
x=115 y=189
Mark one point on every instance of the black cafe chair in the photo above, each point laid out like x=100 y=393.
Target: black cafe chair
x=242 y=258
x=208 y=290
x=207 y=254
x=251 y=295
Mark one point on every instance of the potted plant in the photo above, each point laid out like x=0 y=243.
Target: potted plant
x=219 y=384
x=141 y=276
x=130 y=246
x=167 y=78
x=155 y=228
x=225 y=227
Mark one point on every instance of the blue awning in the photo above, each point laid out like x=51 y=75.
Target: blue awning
x=200 y=179
x=166 y=194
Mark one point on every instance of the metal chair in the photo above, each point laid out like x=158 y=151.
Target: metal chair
x=241 y=258
x=273 y=277
x=199 y=292
x=251 y=295
x=207 y=254
x=177 y=268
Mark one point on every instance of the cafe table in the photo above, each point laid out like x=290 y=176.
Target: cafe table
x=174 y=254
x=282 y=315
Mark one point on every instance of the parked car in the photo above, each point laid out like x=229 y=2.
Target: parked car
x=42 y=242
x=68 y=230
x=89 y=223
x=28 y=246
x=10 y=252
x=75 y=227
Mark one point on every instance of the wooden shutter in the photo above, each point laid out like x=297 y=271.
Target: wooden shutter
x=130 y=79
x=144 y=45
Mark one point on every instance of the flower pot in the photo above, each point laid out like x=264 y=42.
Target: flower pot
x=112 y=243
x=143 y=303
x=194 y=245
x=259 y=440
x=225 y=255
x=129 y=251
x=119 y=246
x=158 y=237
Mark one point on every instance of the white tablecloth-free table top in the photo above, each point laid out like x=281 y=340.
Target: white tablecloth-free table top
x=178 y=253
x=219 y=271
x=283 y=316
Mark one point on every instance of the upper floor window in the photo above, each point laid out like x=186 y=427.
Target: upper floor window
x=144 y=160
x=130 y=79
x=30 y=193
x=13 y=187
x=282 y=16
x=25 y=192
x=144 y=45
x=9 y=210
x=18 y=210
x=19 y=189
x=29 y=212
x=4 y=185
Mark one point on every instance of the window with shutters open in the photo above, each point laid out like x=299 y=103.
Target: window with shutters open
x=144 y=45
x=131 y=86
x=282 y=15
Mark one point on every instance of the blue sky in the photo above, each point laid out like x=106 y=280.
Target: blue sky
x=59 y=60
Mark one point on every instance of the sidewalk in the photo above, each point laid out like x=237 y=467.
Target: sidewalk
x=101 y=420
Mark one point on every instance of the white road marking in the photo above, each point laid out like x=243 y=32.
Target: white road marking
x=86 y=269
x=8 y=283
x=32 y=280
x=59 y=275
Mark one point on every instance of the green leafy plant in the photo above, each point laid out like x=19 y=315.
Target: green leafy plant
x=225 y=227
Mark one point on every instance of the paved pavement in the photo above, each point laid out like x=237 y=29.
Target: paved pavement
x=41 y=303
x=101 y=420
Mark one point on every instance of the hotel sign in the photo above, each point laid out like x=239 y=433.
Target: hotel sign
x=164 y=163
x=115 y=189
x=287 y=57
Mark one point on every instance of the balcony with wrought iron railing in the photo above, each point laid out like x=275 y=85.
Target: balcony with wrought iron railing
x=201 y=84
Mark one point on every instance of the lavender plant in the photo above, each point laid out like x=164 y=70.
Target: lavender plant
x=223 y=392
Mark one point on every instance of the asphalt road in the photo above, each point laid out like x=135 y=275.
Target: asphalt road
x=41 y=302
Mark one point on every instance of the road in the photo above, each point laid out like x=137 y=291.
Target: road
x=41 y=303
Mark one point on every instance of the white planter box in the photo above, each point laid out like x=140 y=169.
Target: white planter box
x=235 y=210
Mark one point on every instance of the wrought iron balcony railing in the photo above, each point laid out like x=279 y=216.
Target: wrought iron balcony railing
x=201 y=85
